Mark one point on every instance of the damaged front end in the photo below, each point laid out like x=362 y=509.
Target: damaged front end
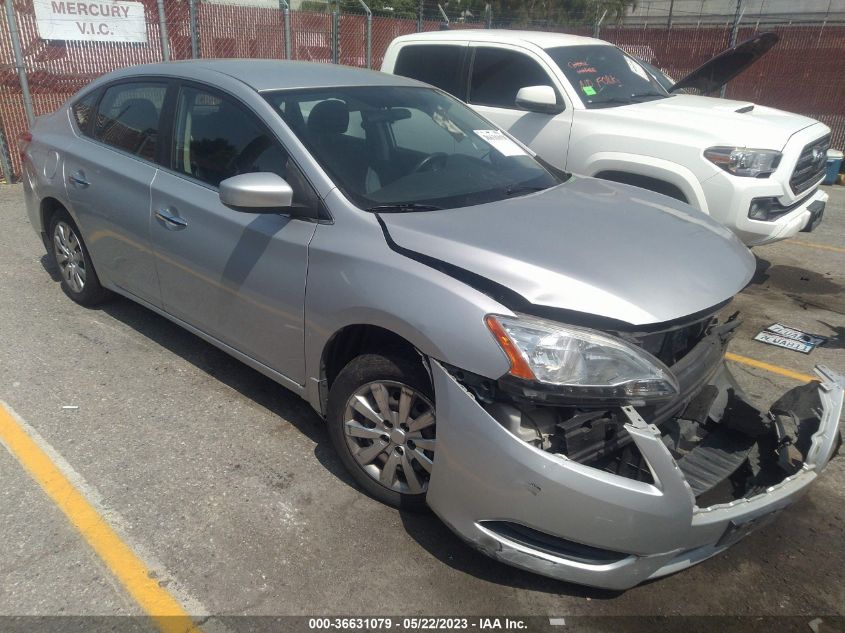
x=609 y=493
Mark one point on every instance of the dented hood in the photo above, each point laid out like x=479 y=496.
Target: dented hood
x=590 y=246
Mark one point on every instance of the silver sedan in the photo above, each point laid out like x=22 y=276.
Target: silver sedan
x=534 y=356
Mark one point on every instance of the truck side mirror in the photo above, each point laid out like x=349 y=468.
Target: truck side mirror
x=541 y=99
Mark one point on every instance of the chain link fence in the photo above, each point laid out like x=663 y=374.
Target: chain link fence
x=38 y=73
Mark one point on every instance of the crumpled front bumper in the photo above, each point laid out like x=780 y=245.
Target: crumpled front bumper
x=605 y=530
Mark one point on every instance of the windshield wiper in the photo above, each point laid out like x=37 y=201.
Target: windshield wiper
x=611 y=100
x=625 y=100
x=512 y=191
x=403 y=207
x=642 y=95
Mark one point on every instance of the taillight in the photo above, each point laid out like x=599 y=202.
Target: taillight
x=24 y=139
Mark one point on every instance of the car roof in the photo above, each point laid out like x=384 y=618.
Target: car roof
x=269 y=74
x=543 y=39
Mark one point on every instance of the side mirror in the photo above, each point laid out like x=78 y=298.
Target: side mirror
x=541 y=99
x=259 y=192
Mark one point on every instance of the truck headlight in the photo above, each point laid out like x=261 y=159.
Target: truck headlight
x=740 y=161
x=582 y=363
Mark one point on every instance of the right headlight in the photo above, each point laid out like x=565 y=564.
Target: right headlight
x=740 y=161
x=580 y=363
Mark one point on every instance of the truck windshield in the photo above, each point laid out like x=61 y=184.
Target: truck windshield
x=604 y=76
x=400 y=149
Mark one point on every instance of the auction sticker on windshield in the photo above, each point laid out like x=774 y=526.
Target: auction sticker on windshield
x=500 y=142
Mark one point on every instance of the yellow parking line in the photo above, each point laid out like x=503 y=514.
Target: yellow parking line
x=824 y=247
x=129 y=570
x=775 y=369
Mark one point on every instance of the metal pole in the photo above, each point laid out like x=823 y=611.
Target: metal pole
x=488 y=15
x=286 y=14
x=19 y=64
x=443 y=13
x=420 y=18
x=734 y=32
x=597 y=27
x=195 y=41
x=335 y=36
x=671 y=9
x=369 y=33
x=162 y=29
x=5 y=161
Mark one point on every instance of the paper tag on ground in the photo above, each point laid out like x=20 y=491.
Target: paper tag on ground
x=789 y=332
x=782 y=341
x=500 y=142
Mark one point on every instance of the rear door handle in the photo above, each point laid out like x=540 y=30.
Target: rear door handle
x=78 y=179
x=171 y=220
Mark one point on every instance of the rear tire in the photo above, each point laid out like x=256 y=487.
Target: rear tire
x=381 y=420
x=71 y=258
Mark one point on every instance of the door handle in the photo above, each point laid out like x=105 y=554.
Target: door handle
x=78 y=179
x=171 y=220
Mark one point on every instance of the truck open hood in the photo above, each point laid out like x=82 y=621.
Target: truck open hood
x=588 y=246
x=715 y=73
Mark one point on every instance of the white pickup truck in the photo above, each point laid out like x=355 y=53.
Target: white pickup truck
x=588 y=107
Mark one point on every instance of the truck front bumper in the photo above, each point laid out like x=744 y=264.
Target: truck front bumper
x=545 y=513
x=730 y=203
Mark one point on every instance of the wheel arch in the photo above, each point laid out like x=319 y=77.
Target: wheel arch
x=48 y=207
x=353 y=340
x=644 y=182
x=642 y=171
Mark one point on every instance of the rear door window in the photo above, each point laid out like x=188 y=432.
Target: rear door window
x=499 y=73
x=437 y=64
x=128 y=117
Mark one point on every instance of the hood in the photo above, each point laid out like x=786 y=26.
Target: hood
x=706 y=121
x=590 y=246
x=715 y=73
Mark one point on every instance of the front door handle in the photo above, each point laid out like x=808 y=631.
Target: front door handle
x=78 y=179
x=171 y=220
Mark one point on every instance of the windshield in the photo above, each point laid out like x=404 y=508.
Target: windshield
x=396 y=148
x=604 y=76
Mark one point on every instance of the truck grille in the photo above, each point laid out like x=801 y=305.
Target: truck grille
x=810 y=166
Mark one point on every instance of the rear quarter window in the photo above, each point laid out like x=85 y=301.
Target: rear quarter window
x=437 y=64
x=83 y=111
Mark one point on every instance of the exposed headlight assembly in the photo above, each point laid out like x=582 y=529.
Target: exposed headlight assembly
x=580 y=363
x=740 y=161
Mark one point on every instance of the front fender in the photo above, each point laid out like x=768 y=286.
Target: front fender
x=355 y=278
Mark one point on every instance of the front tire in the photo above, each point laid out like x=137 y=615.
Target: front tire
x=71 y=258
x=381 y=420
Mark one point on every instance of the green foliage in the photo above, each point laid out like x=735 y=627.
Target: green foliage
x=505 y=12
x=550 y=12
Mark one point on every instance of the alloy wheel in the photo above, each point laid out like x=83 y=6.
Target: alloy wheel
x=390 y=430
x=71 y=261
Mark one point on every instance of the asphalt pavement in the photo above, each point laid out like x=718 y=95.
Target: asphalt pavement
x=227 y=487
